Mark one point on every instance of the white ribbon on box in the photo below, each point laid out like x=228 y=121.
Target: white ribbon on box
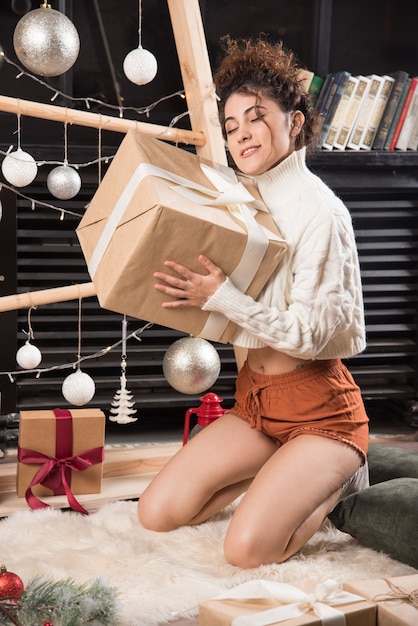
x=322 y=601
x=231 y=194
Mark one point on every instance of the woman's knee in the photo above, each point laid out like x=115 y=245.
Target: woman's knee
x=154 y=515
x=247 y=550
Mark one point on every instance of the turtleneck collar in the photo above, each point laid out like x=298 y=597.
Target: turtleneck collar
x=285 y=176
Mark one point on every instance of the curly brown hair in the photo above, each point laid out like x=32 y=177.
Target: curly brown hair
x=255 y=66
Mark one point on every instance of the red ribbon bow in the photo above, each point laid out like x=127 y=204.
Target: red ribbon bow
x=55 y=472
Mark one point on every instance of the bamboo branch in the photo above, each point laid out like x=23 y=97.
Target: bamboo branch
x=46 y=296
x=96 y=120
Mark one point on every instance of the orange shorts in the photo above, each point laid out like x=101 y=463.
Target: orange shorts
x=320 y=398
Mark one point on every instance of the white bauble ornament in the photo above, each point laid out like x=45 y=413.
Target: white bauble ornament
x=140 y=66
x=19 y=168
x=191 y=365
x=28 y=356
x=78 y=388
x=63 y=182
x=46 y=42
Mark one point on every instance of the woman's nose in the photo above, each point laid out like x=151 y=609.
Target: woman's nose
x=243 y=133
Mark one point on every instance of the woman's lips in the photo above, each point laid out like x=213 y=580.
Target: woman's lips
x=249 y=151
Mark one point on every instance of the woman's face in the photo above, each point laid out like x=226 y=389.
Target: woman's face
x=259 y=134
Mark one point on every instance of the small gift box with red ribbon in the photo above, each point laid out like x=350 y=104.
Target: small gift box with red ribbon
x=396 y=598
x=268 y=603
x=60 y=452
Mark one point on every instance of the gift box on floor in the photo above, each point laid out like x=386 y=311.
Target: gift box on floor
x=263 y=603
x=396 y=598
x=60 y=452
x=158 y=202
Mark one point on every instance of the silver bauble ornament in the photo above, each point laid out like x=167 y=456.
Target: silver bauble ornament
x=28 y=356
x=63 y=182
x=191 y=365
x=46 y=42
x=19 y=168
x=78 y=388
x=140 y=66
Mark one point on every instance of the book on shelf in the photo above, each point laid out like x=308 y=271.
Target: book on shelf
x=315 y=88
x=377 y=112
x=326 y=86
x=413 y=139
x=360 y=92
x=340 y=113
x=409 y=121
x=325 y=96
x=400 y=78
x=305 y=78
x=397 y=114
x=403 y=113
x=311 y=83
x=330 y=106
x=358 y=132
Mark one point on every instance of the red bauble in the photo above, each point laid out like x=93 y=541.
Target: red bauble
x=11 y=586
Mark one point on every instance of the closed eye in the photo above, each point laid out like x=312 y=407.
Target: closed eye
x=229 y=131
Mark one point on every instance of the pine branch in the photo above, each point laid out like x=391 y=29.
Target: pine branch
x=8 y=614
x=66 y=602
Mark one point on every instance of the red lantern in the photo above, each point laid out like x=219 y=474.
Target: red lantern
x=209 y=410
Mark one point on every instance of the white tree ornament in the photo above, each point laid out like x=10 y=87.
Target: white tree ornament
x=122 y=405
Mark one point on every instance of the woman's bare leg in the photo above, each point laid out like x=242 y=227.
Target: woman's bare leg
x=288 y=500
x=206 y=475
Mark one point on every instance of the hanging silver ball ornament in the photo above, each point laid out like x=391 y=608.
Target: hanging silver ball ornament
x=78 y=388
x=140 y=66
x=191 y=365
x=46 y=42
x=63 y=182
x=28 y=356
x=19 y=168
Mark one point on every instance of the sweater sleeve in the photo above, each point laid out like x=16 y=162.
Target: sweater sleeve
x=322 y=293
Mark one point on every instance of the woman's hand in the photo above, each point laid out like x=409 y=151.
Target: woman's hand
x=189 y=288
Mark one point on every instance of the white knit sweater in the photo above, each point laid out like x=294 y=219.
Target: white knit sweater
x=312 y=306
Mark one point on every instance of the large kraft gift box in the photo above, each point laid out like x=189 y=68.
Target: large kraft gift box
x=396 y=598
x=290 y=606
x=55 y=441
x=155 y=203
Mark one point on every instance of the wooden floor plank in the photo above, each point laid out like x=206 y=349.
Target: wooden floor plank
x=126 y=472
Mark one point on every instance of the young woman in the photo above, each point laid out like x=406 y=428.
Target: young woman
x=295 y=441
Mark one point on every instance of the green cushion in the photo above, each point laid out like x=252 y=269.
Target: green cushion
x=383 y=517
x=387 y=462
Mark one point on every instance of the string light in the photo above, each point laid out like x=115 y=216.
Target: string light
x=80 y=359
x=88 y=101
x=34 y=202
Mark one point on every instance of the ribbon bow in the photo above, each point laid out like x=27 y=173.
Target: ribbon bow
x=398 y=593
x=54 y=474
x=322 y=601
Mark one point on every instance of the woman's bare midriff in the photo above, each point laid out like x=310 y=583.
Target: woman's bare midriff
x=268 y=361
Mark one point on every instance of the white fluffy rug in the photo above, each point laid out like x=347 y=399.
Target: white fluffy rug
x=163 y=576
